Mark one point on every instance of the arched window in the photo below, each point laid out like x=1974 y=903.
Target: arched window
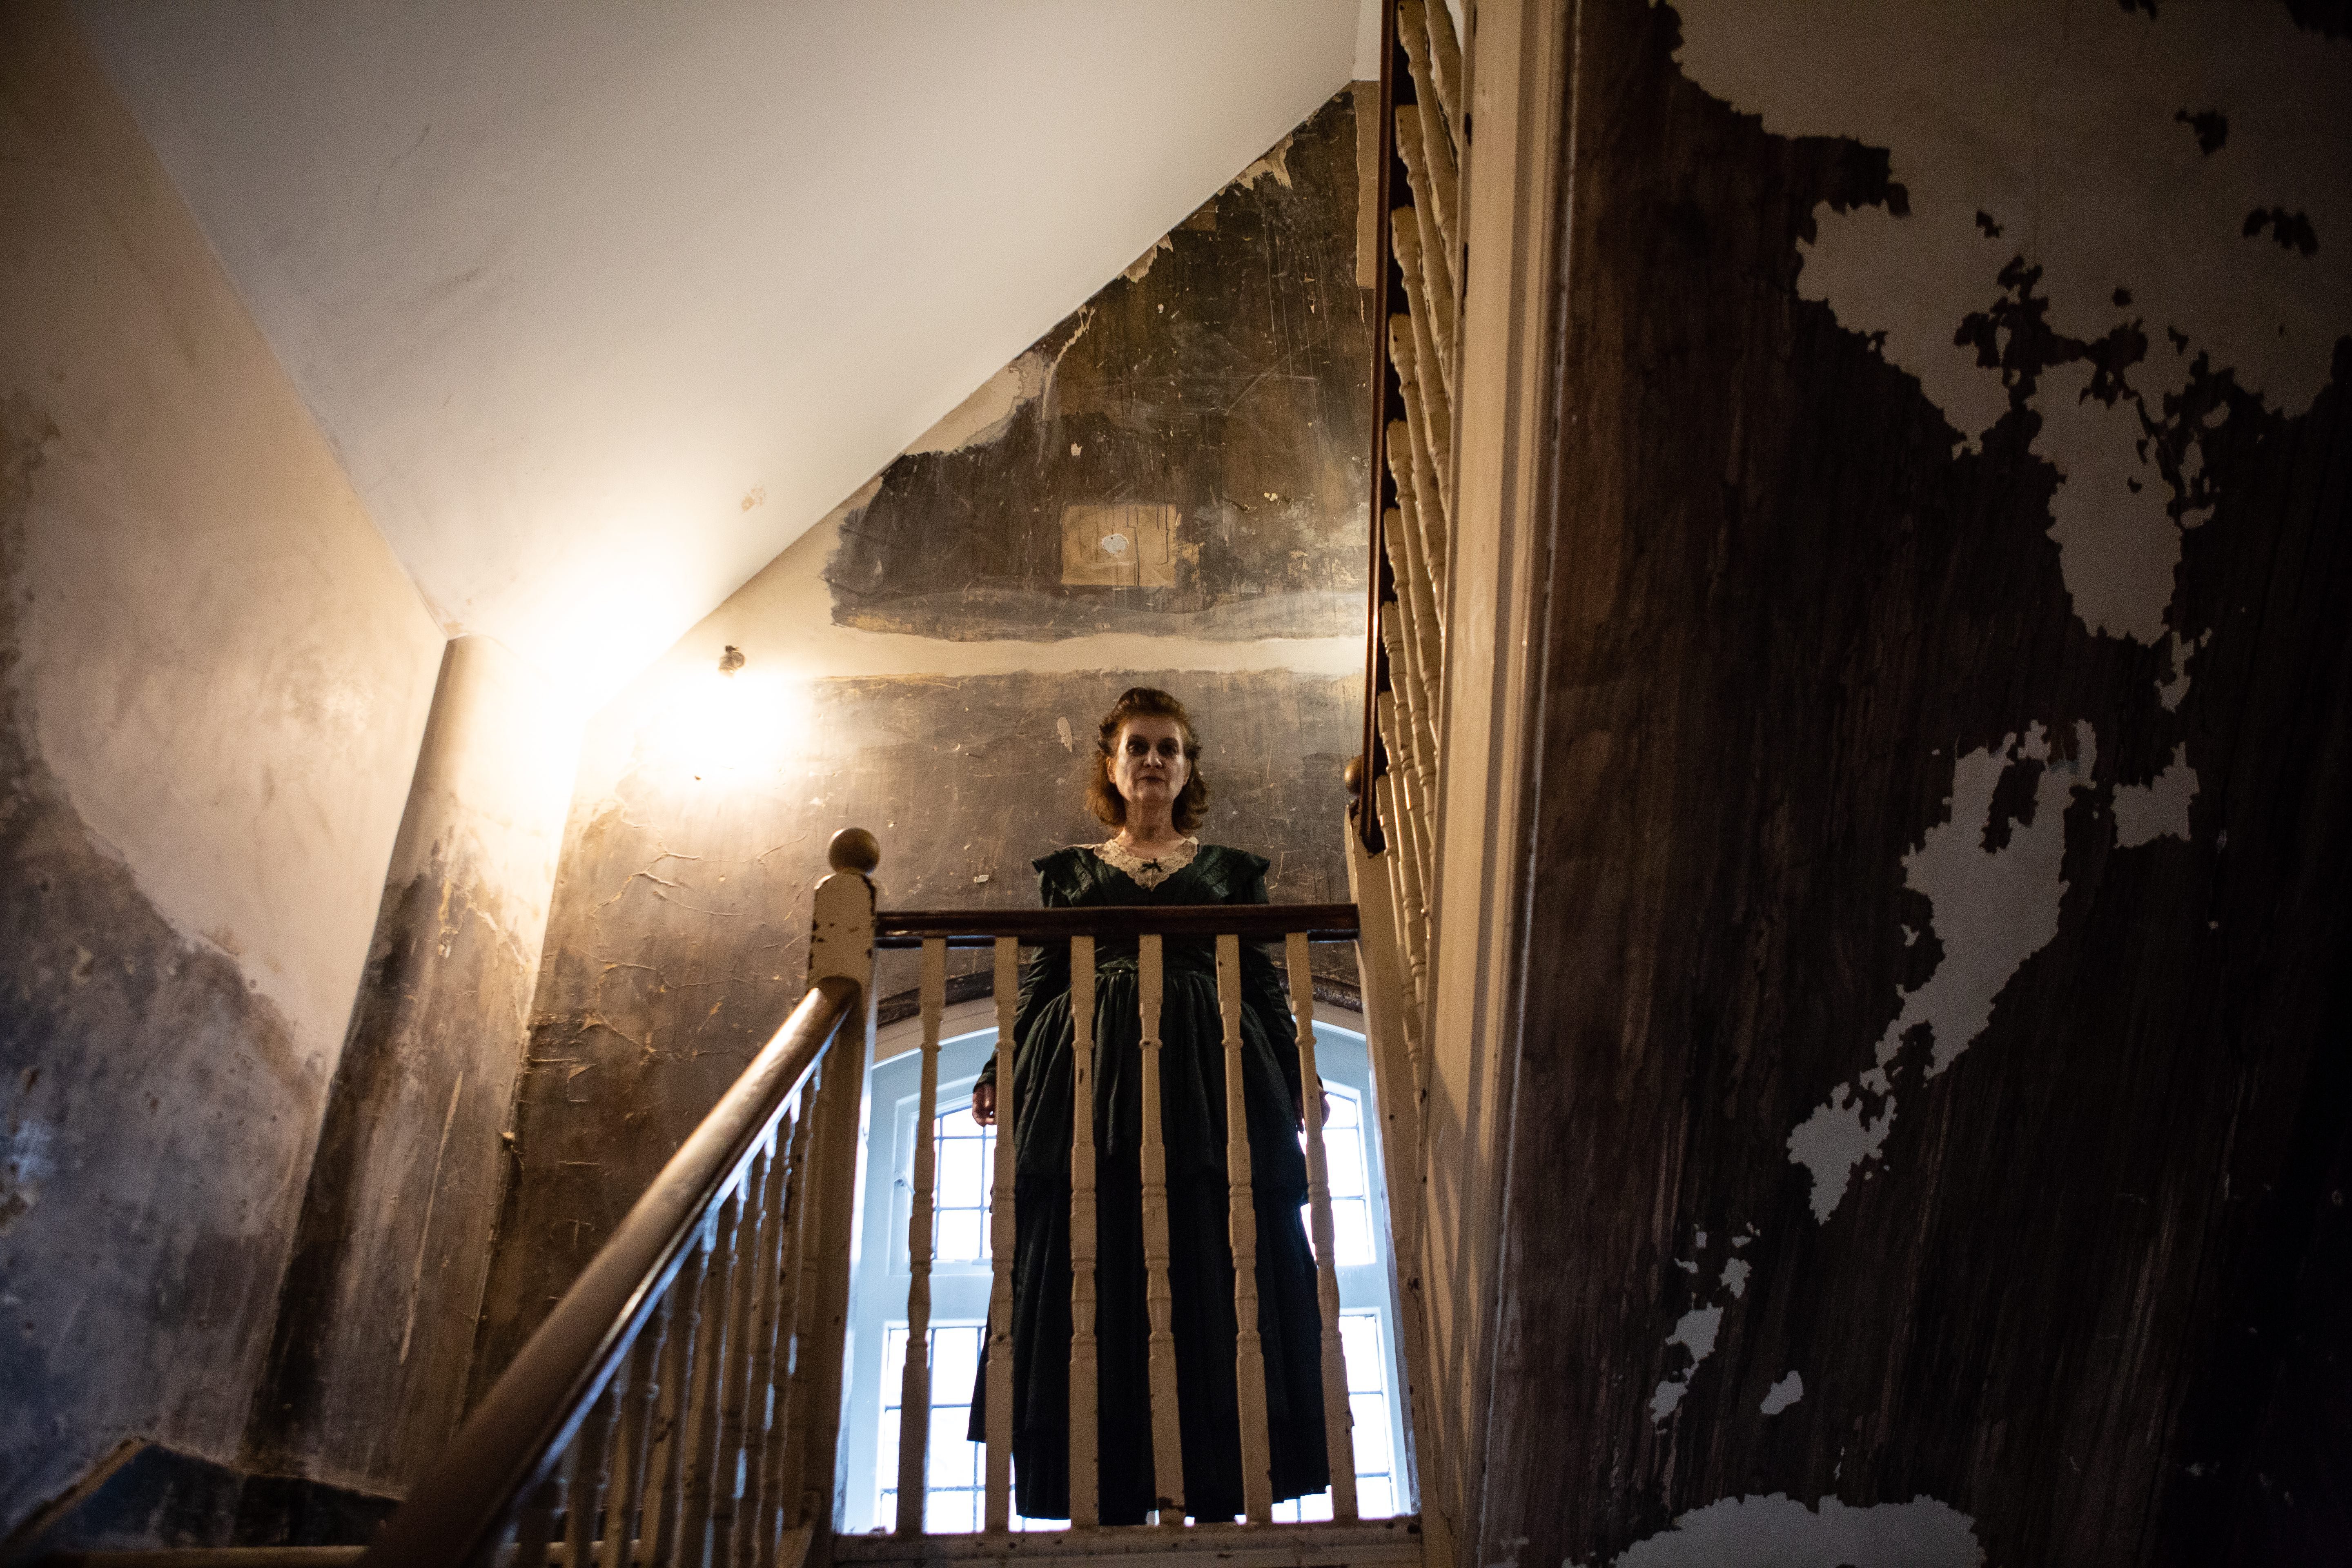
x=960 y=1277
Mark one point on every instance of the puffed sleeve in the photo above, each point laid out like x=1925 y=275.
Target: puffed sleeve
x=1047 y=973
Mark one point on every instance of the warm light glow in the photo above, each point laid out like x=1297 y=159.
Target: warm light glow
x=739 y=728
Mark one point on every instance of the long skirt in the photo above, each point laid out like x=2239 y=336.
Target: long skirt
x=1201 y=1279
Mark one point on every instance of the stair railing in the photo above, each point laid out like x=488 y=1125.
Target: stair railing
x=1007 y=930
x=681 y=1402
x=1415 y=302
x=1421 y=131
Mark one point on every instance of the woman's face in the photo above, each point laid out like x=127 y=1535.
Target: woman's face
x=1147 y=761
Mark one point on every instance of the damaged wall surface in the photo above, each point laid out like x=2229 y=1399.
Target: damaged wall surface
x=1185 y=454
x=367 y=1373
x=1931 y=1137
x=931 y=664
x=213 y=675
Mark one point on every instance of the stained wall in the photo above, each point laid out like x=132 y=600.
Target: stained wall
x=212 y=678
x=1929 y=1137
x=1168 y=489
x=367 y=1372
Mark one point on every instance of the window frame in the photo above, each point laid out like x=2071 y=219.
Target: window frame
x=880 y=1272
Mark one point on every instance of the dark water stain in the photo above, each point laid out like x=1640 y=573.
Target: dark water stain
x=368 y=1365
x=156 y=1116
x=1223 y=388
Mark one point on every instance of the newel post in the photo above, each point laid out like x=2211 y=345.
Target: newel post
x=841 y=942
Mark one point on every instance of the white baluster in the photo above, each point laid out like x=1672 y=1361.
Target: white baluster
x=1167 y=1431
x=750 y=1530
x=1398 y=799
x=1084 y=1491
x=1338 y=1421
x=1436 y=274
x=1249 y=1355
x=1446 y=63
x=915 y=1387
x=779 y=1505
x=1437 y=137
x=999 y=1516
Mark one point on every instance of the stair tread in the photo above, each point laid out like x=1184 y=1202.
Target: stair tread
x=1386 y=1540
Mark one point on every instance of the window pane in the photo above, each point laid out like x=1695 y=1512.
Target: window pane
x=960 y=1201
x=1344 y=1153
x=1371 y=1414
x=1375 y=1496
x=954 y=1462
x=1351 y=1233
x=1359 y=1342
x=953 y=1466
x=957 y=1362
x=962 y=1237
x=961 y=1183
x=952 y=1512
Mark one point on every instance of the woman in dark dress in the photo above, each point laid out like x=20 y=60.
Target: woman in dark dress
x=1147 y=786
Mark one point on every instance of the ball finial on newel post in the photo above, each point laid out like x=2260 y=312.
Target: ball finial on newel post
x=853 y=849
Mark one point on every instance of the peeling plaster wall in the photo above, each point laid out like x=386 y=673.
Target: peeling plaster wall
x=948 y=701
x=368 y=1368
x=1930 y=1130
x=213 y=675
x=1210 y=404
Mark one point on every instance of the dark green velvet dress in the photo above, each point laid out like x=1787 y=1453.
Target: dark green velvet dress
x=1200 y=1269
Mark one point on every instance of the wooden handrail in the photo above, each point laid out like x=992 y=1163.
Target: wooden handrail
x=1032 y=928
x=1365 y=820
x=512 y=1440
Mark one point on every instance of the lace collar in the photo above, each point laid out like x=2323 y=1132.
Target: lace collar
x=1148 y=874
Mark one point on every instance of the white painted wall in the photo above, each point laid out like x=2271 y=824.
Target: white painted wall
x=603 y=305
x=227 y=666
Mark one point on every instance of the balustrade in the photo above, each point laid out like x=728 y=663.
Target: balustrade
x=1296 y=927
x=1412 y=475
x=681 y=1406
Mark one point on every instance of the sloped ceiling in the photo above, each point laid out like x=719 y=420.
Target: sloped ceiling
x=604 y=303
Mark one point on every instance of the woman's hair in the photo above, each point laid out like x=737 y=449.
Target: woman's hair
x=1147 y=702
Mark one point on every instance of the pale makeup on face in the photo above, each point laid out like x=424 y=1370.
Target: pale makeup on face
x=1149 y=770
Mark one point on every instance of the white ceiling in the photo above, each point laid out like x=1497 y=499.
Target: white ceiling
x=603 y=303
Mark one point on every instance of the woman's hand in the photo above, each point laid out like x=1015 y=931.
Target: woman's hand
x=1324 y=1099
x=983 y=1104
